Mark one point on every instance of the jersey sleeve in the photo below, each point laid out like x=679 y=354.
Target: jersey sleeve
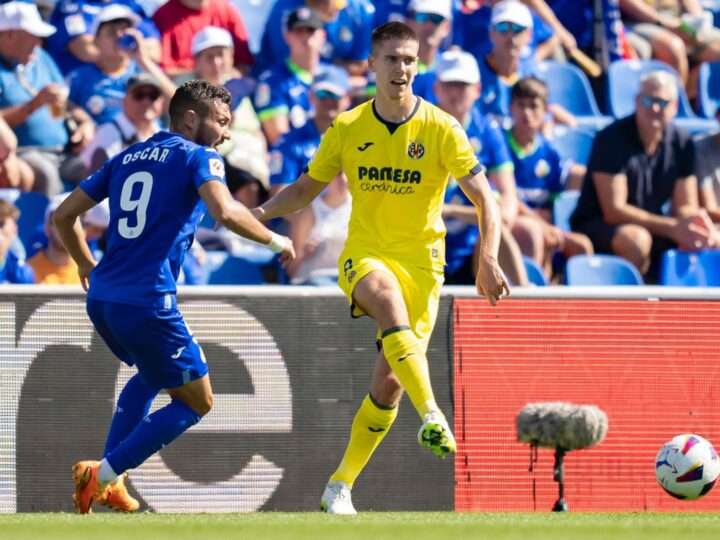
x=327 y=161
x=457 y=153
x=206 y=165
x=97 y=185
x=284 y=168
x=269 y=99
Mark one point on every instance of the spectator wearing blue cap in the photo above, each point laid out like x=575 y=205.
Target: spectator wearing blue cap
x=99 y=87
x=74 y=43
x=282 y=97
x=330 y=95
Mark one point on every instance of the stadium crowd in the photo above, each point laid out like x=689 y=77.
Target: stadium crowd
x=595 y=120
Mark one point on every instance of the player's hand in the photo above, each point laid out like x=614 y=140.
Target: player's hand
x=491 y=281
x=287 y=255
x=84 y=273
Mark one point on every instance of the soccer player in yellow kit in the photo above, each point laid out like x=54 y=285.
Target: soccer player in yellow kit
x=397 y=152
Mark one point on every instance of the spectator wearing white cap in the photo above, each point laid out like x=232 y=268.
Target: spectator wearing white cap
x=431 y=20
x=457 y=87
x=213 y=52
x=511 y=26
x=99 y=87
x=74 y=42
x=142 y=106
x=53 y=265
x=33 y=98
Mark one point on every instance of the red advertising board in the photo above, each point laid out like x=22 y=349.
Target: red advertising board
x=652 y=366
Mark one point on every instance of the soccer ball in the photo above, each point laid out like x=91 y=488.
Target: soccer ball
x=687 y=467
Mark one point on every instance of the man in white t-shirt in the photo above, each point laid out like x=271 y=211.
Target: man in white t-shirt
x=138 y=121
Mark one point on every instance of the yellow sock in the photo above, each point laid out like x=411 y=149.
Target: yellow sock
x=371 y=424
x=407 y=359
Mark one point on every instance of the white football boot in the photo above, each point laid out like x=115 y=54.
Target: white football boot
x=435 y=435
x=336 y=499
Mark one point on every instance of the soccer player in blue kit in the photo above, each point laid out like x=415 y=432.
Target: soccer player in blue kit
x=156 y=191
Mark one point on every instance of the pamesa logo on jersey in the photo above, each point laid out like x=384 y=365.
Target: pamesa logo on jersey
x=415 y=150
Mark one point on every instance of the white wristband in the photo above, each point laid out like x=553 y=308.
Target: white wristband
x=277 y=243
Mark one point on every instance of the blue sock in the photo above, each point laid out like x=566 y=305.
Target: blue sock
x=132 y=406
x=155 y=431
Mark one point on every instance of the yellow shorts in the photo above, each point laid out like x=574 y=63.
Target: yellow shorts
x=420 y=288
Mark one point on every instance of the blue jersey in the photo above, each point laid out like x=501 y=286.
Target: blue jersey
x=486 y=138
x=495 y=93
x=389 y=10
x=538 y=173
x=98 y=93
x=284 y=90
x=155 y=207
x=74 y=18
x=348 y=35
x=423 y=86
x=291 y=153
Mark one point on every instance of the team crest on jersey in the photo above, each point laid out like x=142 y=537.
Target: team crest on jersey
x=217 y=168
x=416 y=150
x=542 y=168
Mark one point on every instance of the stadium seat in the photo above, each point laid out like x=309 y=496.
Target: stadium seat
x=682 y=268
x=573 y=144
x=563 y=207
x=236 y=271
x=624 y=80
x=709 y=89
x=601 y=270
x=535 y=274
x=32 y=215
x=570 y=88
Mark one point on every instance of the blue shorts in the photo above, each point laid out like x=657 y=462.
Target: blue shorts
x=157 y=341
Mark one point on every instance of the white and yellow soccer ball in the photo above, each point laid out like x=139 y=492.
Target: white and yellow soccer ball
x=687 y=467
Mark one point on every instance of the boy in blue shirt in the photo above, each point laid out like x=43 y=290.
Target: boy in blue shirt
x=156 y=191
x=539 y=178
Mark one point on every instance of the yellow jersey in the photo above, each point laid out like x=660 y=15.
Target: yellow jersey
x=397 y=175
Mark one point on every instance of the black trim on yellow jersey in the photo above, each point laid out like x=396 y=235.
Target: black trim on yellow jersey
x=477 y=169
x=393 y=126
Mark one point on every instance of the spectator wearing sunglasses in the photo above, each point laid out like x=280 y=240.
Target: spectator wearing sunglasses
x=282 y=97
x=471 y=32
x=511 y=27
x=142 y=106
x=638 y=164
x=99 y=87
x=431 y=20
x=330 y=95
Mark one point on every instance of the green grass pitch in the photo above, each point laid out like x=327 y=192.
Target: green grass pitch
x=367 y=526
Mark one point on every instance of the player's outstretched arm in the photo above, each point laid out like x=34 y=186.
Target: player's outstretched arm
x=72 y=234
x=291 y=199
x=236 y=217
x=490 y=280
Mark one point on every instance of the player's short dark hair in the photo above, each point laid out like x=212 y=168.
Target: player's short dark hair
x=392 y=30
x=196 y=95
x=529 y=88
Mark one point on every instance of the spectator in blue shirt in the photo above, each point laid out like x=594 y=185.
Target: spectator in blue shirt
x=457 y=87
x=389 y=10
x=348 y=25
x=282 y=98
x=330 y=95
x=430 y=19
x=539 y=179
x=74 y=43
x=33 y=100
x=99 y=87
x=12 y=266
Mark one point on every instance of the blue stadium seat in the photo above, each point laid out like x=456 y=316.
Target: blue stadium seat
x=682 y=268
x=601 y=270
x=574 y=144
x=32 y=216
x=569 y=87
x=563 y=207
x=709 y=89
x=236 y=271
x=624 y=80
x=536 y=276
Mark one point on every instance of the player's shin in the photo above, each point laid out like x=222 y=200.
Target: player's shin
x=155 y=431
x=372 y=422
x=132 y=406
x=406 y=356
